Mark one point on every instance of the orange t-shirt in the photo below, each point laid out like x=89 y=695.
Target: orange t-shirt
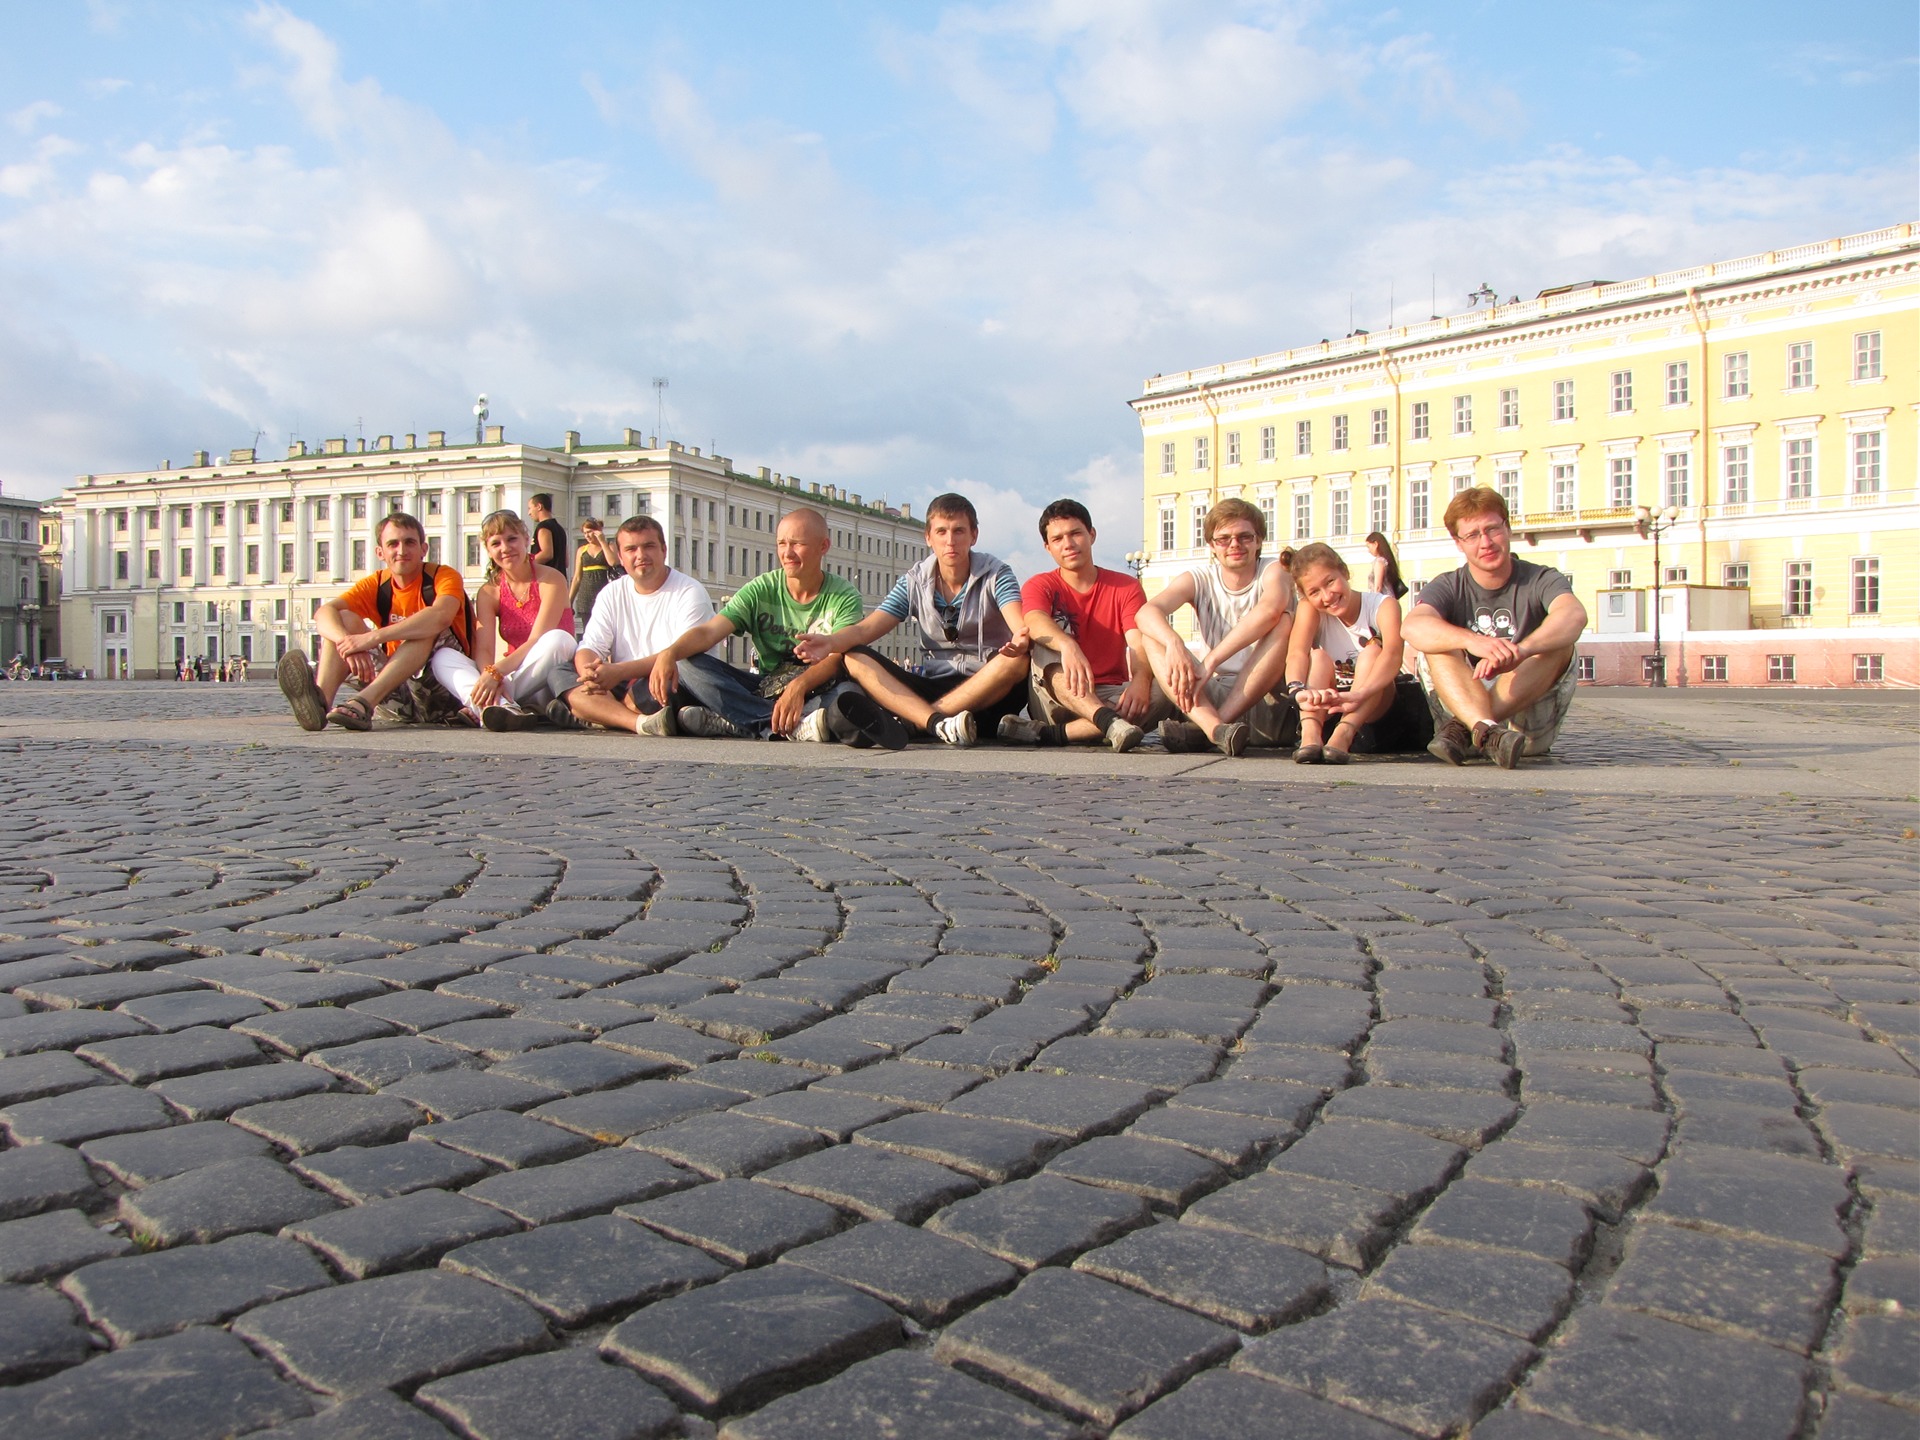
x=362 y=598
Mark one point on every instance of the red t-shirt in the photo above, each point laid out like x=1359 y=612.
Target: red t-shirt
x=1098 y=620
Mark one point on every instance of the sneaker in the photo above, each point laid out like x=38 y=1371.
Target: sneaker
x=1506 y=747
x=813 y=729
x=698 y=720
x=1123 y=735
x=1183 y=737
x=860 y=720
x=508 y=716
x=956 y=730
x=1453 y=743
x=1230 y=739
x=658 y=723
x=560 y=714
x=1019 y=730
x=296 y=683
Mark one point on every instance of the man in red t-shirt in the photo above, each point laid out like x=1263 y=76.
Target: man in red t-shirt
x=382 y=652
x=1091 y=679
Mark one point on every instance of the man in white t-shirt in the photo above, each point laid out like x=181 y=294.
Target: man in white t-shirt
x=1244 y=614
x=633 y=621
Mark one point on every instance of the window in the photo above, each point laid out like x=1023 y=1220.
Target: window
x=1736 y=471
x=323 y=508
x=1200 y=457
x=1419 y=517
x=120 y=565
x=433 y=503
x=1866 y=462
x=1167 y=462
x=1673 y=575
x=473 y=551
x=360 y=555
x=1869 y=669
x=1563 y=400
x=1677 y=466
x=1342 y=519
x=1166 y=529
x=1377 y=427
x=730 y=562
x=217 y=516
x=1736 y=574
x=1267 y=443
x=1339 y=432
x=186 y=565
x=712 y=551
x=213 y=612
x=286 y=512
x=246 y=612
x=1422 y=420
x=179 y=612
x=217 y=560
x=1800 y=469
x=583 y=507
x=732 y=516
x=153 y=564
x=1583 y=668
x=1677 y=386
x=1734 y=376
x=612 y=507
x=183 y=516
x=1461 y=480
x=1233 y=447
x=280 y=612
x=1713 y=668
x=676 y=551
x=253 y=559
x=253 y=512
x=357 y=507
x=1798 y=595
x=1463 y=414
x=120 y=522
x=1866 y=355
x=1866 y=585
x=1199 y=540
x=1303 y=437
x=1800 y=365
x=1783 y=669
x=1510 y=407
x=1563 y=487
x=1377 y=508
x=1622 y=385
x=1653 y=669
x=1303 y=515
x=1507 y=482
x=286 y=558
x=322 y=556
x=1619 y=579
x=1620 y=482
x=472 y=505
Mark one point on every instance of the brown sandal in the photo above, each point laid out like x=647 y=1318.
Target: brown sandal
x=352 y=713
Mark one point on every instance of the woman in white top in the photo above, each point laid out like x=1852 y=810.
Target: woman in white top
x=1345 y=665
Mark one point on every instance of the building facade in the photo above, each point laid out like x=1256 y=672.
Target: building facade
x=1747 y=426
x=22 y=603
x=231 y=556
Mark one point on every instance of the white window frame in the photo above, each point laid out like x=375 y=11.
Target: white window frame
x=1463 y=414
x=1419 y=502
x=1799 y=468
x=1169 y=457
x=1736 y=375
x=1377 y=506
x=1679 y=384
x=1563 y=400
x=1676 y=479
x=1341 y=434
x=1201 y=453
x=1303 y=437
x=1422 y=420
x=1866 y=461
x=1620 y=482
x=1302 y=516
x=1863 y=593
x=1268 y=443
x=1377 y=426
x=1736 y=474
x=1508 y=482
x=1621 y=384
x=1866 y=355
x=1869 y=669
x=1736 y=575
x=1796 y=590
x=1340 y=510
x=1800 y=365
x=1233 y=447
x=1564 y=477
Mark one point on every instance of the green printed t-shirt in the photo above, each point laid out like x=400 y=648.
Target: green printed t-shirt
x=769 y=616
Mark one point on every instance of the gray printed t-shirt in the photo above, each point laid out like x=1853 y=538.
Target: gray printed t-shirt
x=1512 y=612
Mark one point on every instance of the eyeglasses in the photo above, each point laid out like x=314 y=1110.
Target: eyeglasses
x=1240 y=538
x=1474 y=537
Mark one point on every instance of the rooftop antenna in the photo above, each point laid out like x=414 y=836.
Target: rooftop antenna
x=1433 y=294
x=479 y=419
x=660 y=404
x=1389 y=305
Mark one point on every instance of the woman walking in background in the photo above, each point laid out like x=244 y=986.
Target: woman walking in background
x=1383 y=578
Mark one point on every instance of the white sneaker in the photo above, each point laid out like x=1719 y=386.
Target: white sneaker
x=813 y=729
x=658 y=723
x=1123 y=735
x=1018 y=730
x=957 y=730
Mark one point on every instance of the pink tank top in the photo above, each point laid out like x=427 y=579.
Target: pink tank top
x=517 y=617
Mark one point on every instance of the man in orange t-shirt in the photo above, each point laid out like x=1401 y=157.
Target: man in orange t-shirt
x=423 y=614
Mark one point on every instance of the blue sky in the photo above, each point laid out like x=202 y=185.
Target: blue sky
x=900 y=247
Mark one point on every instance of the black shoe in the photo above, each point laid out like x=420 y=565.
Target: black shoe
x=1183 y=737
x=856 y=719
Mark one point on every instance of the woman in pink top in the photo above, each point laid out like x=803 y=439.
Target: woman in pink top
x=521 y=608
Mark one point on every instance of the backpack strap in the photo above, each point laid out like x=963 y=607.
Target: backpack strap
x=383 y=602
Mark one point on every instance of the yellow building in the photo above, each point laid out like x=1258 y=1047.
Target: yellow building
x=1769 y=402
x=231 y=555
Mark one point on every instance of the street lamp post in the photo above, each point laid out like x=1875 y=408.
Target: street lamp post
x=1656 y=523
x=1137 y=562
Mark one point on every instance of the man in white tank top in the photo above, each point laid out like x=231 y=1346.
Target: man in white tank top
x=1244 y=614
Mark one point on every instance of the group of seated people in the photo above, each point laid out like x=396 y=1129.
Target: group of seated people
x=1289 y=653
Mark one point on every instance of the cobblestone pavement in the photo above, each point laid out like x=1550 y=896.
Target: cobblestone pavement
x=352 y=1091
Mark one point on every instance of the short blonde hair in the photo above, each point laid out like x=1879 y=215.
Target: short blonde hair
x=499 y=523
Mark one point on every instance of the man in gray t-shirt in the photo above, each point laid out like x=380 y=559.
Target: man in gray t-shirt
x=1496 y=640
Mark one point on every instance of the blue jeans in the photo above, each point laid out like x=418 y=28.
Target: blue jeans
x=734 y=693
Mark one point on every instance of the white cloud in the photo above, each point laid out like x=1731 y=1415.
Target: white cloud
x=27 y=118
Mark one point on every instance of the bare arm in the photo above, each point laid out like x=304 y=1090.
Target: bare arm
x=1177 y=670
x=1276 y=591
x=1381 y=677
x=1074 y=668
x=553 y=602
x=1021 y=640
x=815 y=648
x=666 y=664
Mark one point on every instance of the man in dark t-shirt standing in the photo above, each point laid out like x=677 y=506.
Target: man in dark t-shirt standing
x=1496 y=640
x=549 y=535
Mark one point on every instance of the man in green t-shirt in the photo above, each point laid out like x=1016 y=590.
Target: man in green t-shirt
x=784 y=695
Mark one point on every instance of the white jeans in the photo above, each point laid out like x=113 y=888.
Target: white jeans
x=545 y=673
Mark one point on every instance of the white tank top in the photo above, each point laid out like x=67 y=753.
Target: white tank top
x=1219 y=609
x=1343 y=642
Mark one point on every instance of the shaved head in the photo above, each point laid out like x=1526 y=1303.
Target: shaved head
x=805 y=521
